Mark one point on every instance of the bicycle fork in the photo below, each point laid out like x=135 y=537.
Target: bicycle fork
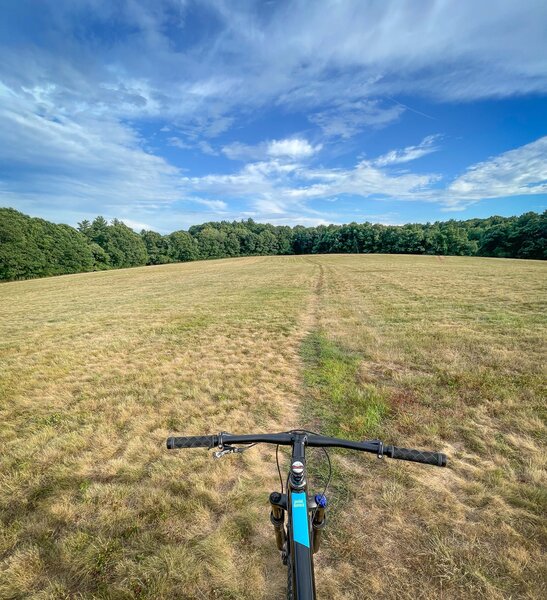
x=317 y=506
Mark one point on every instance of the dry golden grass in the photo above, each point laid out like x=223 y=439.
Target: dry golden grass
x=98 y=369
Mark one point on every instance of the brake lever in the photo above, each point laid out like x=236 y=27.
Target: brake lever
x=228 y=450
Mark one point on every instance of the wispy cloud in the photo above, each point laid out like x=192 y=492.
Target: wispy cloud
x=348 y=118
x=273 y=185
x=77 y=159
x=294 y=148
x=81 y=166
x=426 y=146
x=217 y=205
x=240 y=151
x=286 y=178
x=518 y=172
x=336 y=61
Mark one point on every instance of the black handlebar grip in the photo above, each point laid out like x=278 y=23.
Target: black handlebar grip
x=420 y=456
x=194 y=441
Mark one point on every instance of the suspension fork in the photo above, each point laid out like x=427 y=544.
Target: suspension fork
x=277 y=517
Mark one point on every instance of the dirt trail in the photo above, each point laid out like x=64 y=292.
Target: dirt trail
x=308 y=321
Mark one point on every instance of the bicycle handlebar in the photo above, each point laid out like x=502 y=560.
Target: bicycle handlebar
x=286 y=439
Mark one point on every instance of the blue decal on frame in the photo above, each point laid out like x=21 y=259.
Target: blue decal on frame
x=300 y=519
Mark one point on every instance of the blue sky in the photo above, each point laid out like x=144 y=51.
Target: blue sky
x=167 y=113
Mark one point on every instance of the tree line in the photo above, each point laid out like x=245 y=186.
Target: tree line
x=32 y=247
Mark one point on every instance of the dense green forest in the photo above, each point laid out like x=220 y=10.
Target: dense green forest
x=31 y=247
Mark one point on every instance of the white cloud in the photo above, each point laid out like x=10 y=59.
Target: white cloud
x=518 y=172
x=294 y=148
x=274 y=182
x=201 y=145
x=77 y=159
x=270 y=207
x=365 y=180
x=276 y=188
x=240 y=151
x=426 y=146
x=206 y=148
x=347 y=119
x=217 y=205
x=291 y=218
x=137 y=225
x=70 y=169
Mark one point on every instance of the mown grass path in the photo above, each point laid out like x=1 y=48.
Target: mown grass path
x=97 y=369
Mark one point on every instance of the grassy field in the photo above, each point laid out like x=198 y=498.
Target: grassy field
x=442 y=353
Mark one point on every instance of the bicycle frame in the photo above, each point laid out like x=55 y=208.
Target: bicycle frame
x=297 y=543
x=301 y=552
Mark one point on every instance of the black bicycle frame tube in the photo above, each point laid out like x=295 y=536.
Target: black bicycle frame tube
x=301 y=551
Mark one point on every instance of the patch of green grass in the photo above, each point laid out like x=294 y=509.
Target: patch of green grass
x=344 y=406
